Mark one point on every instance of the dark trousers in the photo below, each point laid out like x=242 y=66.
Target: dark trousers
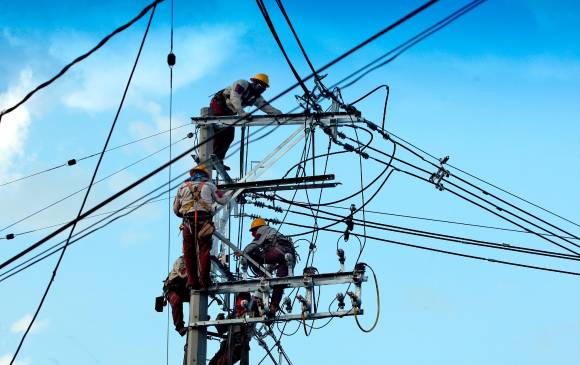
x=223 y=136
x=274 y=254
x=176 y=300
x=238 y=344
x=196 y=254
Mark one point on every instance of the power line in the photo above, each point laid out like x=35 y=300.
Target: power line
x=448 y=252
x=445 y=221
x=189 y=135
x=486 y=182
x=187 y=152
x=440 y=236
x=488 y=202
x=86 y=194
x=401 y=48
x=74 y=161
x=80 y=58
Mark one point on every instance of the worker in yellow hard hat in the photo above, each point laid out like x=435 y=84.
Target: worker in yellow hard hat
x=271 y=247
x=231 y=101
x=194 y=203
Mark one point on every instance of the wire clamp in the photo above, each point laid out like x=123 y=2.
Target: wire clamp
x=441 y=173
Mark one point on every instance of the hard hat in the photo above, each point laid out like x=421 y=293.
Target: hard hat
x=256 y=223
x=198 y=168
x=263 y=78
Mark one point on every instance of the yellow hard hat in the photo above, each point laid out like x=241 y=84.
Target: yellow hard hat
x=198 y=168
x=256 y=223
x=263 y=78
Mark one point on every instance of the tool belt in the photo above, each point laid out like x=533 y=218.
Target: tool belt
x=219 y=106
x=202 y=219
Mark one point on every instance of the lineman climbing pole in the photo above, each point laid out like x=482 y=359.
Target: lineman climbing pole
x=198 y=312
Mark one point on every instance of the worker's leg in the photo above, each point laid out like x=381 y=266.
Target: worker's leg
x=276 y=255
x=190 y=256
x=176 y=303
x=221 y=356
x=204 y=262
x=222 y=141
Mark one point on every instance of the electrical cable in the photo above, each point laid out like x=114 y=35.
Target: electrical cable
x=87 y=193
x=445 y=237
x=74 y=161
x=448 y=252
x=170 y=62
x=443 y=221
x=401 y=48
x=266 y=16
x=130 y=205
x=30 y=215
x=80 y=58
x=185 y=153
x=374 y=325
x=488 y=202
x=486 y=182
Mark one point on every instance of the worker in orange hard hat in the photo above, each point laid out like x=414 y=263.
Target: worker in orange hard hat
x=231 y=101
x=271 y=247
x=194 y=203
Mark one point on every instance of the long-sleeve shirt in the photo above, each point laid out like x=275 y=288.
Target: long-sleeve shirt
x=178 y=270
x=240 y=95
x=265 y=234
x=197 y=196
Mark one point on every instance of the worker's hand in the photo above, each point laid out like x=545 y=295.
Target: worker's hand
x=220 y=317
x=181 y=226
x=238 y=253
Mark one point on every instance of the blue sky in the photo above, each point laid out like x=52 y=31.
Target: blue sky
x=497 y=91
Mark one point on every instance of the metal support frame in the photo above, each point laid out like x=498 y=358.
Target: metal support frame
x=244 y=286
x=332 y=118
x=196 y=353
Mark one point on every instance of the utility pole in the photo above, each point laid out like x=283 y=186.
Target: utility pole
x=197 y=336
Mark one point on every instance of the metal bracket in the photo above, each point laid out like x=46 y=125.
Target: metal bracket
x=441 y=173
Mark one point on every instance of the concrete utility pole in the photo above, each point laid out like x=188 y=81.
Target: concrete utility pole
x=197 y=336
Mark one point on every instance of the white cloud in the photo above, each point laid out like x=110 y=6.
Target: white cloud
x=14 y=126
x=101 y=79
x=5 y=360
x=21 y=325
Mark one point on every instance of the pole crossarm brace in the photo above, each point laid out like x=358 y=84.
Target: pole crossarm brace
x=225 y=240
x=244 y=286
x=332 y=118
x=283 y=318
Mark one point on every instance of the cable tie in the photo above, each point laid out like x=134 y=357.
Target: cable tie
x=10 y=236
x=364 y=155
x=72 y=162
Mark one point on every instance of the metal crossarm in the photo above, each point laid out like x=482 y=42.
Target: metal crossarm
x=244 y=286
x=283 y=318
x=333 y=118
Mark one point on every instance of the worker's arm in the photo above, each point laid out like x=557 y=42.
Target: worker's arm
x=238 y=89
x=265 y=107
x=177 y=203
x=219 y=196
